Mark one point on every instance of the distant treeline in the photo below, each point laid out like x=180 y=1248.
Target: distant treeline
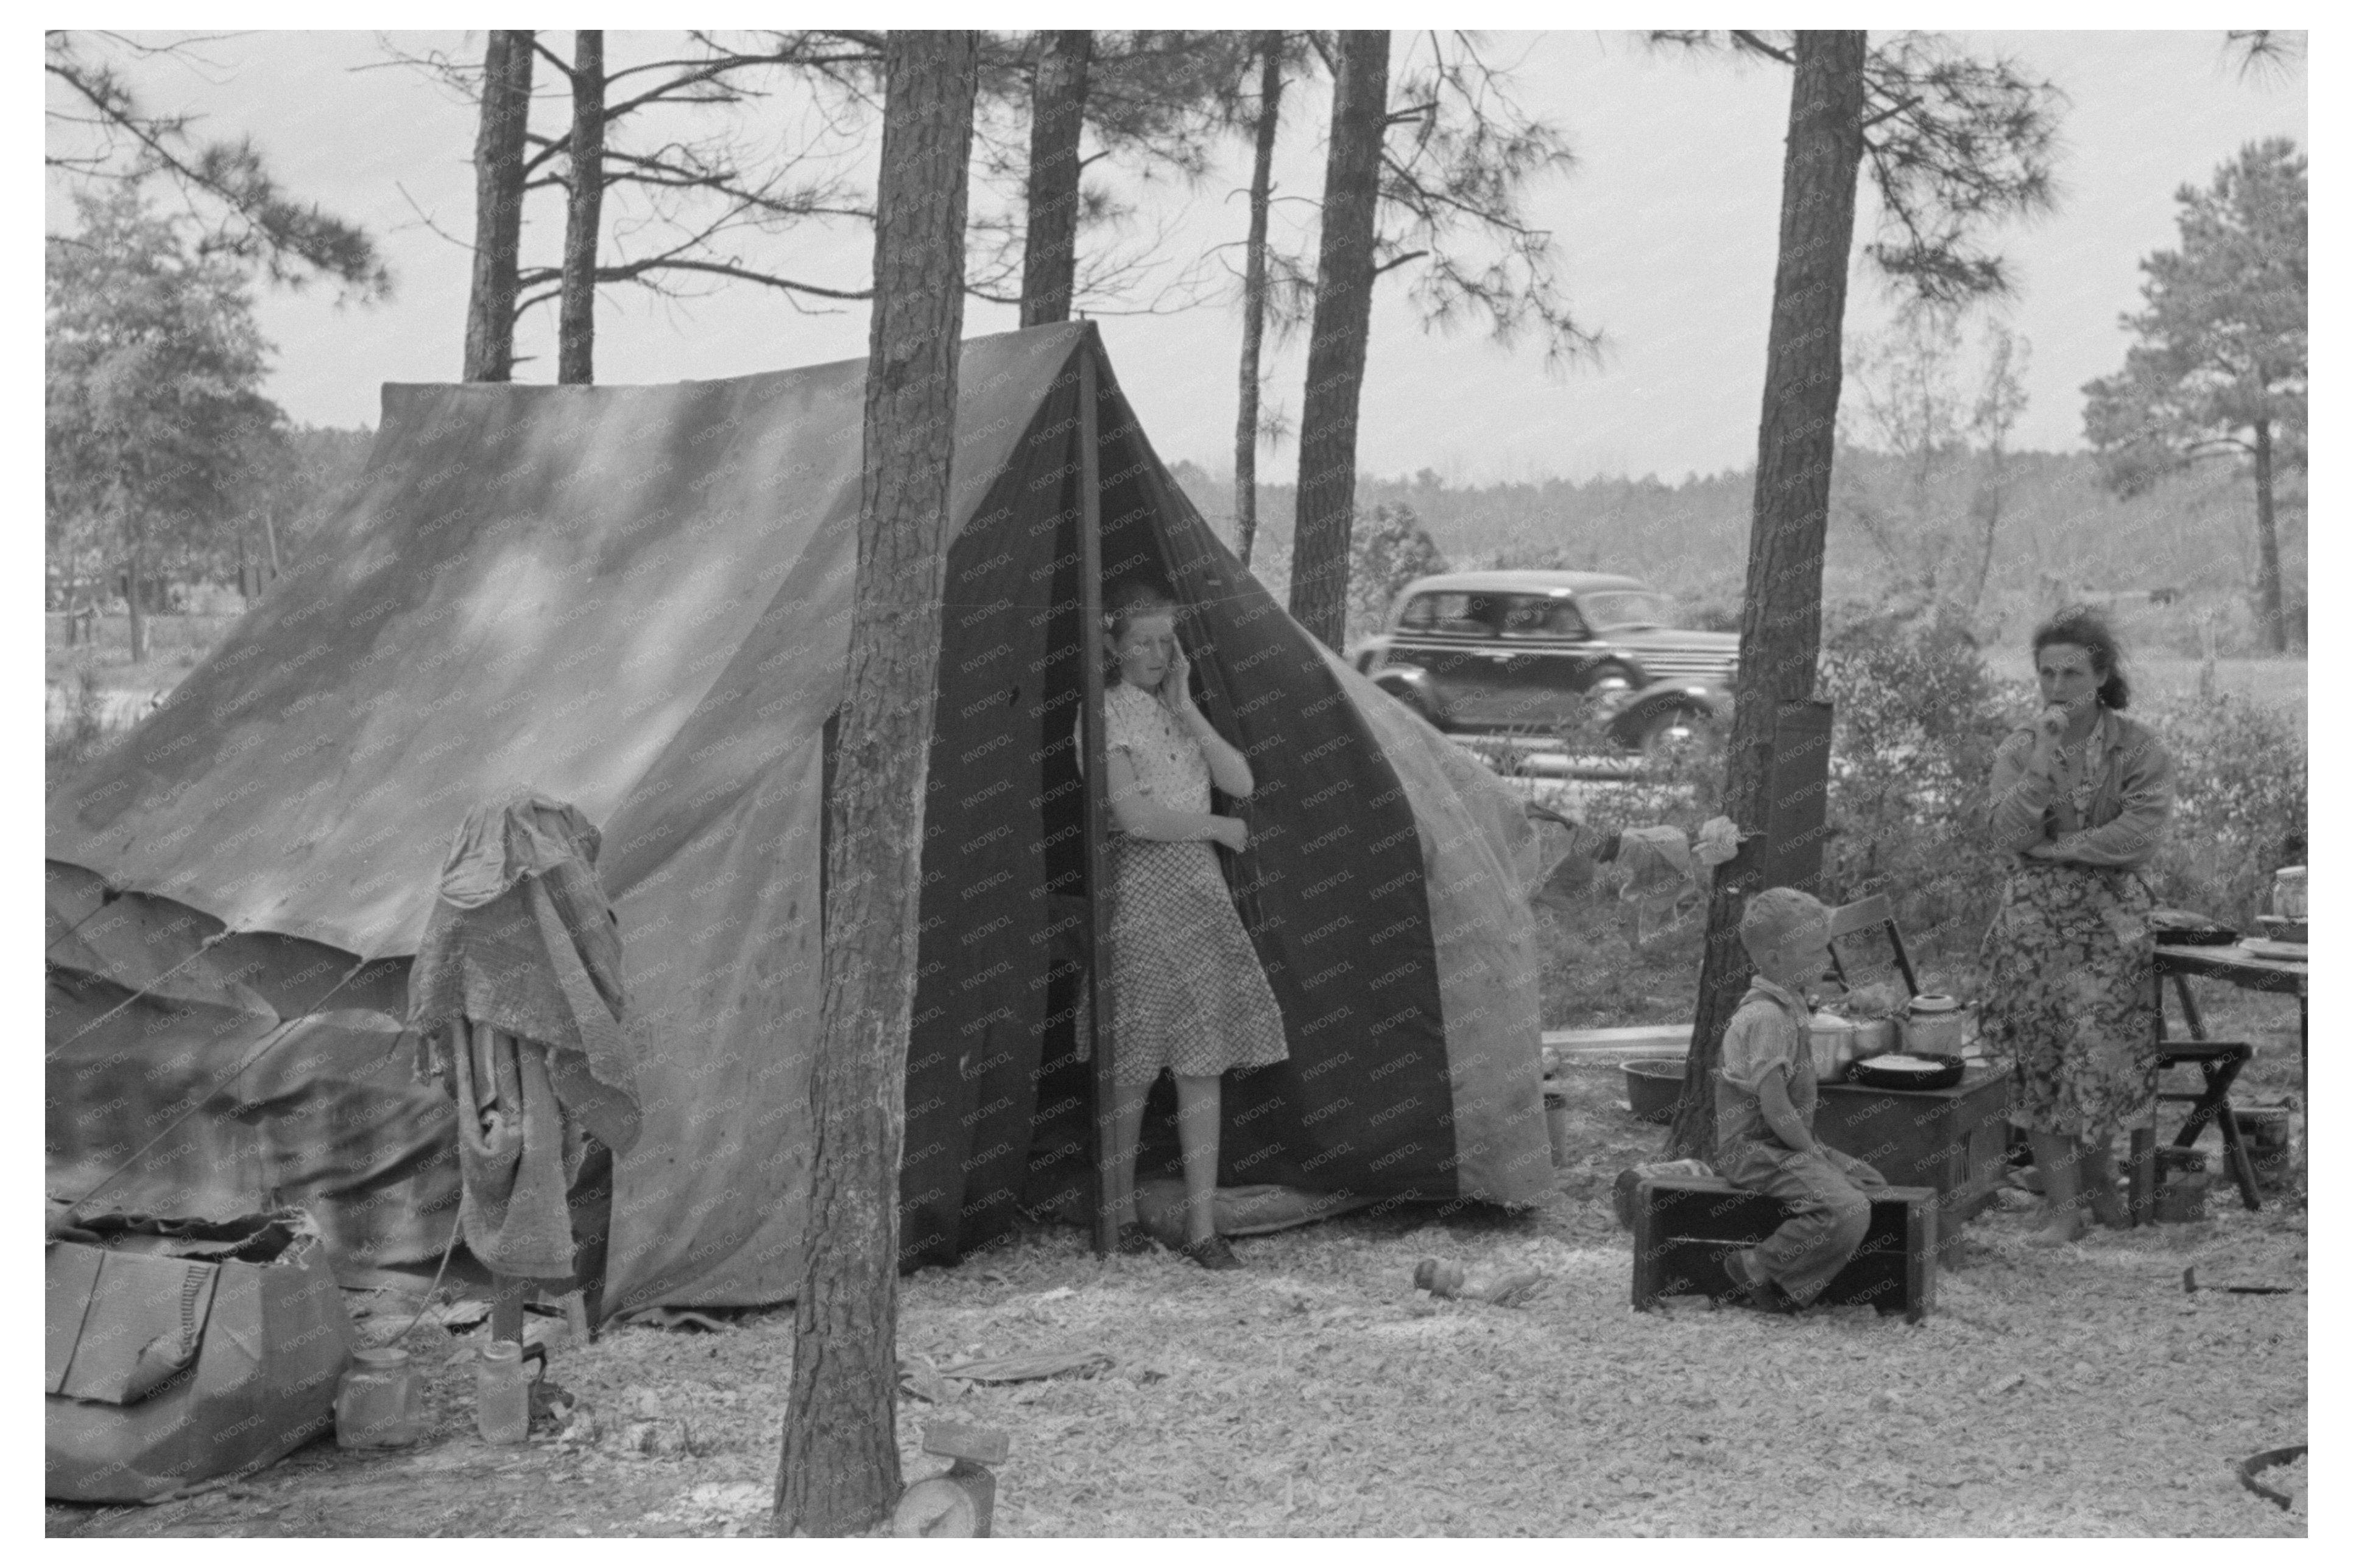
x=2185 y=547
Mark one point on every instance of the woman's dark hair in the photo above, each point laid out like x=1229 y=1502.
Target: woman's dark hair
x=2080 y=625
x=1130 y=602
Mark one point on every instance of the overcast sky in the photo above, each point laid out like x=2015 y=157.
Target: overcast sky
x=1665 y=228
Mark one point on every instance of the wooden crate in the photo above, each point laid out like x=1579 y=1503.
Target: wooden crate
x=1954 y=1140
x=1682 y=1223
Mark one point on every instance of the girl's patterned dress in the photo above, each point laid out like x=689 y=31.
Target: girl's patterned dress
x=1188 y=994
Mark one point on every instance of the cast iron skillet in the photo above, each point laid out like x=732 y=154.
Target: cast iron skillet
x=1869 y=1075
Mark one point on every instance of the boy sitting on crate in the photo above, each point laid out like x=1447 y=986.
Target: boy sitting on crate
x=1764 y=1115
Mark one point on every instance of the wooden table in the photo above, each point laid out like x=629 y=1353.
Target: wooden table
x=2240 y=968
x=2246 y=971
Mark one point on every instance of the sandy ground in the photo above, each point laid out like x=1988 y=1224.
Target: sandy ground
x=2071 y=1392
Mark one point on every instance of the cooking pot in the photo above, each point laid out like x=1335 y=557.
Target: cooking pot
x=1873 y=1037
x=1831 y=1041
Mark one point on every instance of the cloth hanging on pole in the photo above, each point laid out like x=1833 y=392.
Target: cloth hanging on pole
x=1664 y=872
x=517 y=998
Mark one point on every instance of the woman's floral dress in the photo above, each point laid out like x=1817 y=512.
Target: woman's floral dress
x=2069 y=987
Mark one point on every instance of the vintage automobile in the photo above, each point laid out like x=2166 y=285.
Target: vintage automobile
x=1532 y=652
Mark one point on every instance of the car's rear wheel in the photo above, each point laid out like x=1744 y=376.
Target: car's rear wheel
x=1673 y=737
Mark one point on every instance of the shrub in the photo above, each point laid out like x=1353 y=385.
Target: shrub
x=1915 y=721
x=2240 y=803
x=1387 y=550
x=81 y=736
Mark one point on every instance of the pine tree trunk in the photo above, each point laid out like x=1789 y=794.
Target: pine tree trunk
x=135 y=600
x=1780 y=619
x=576 y=332
x=2275 y=610
x=840 y=1473
x=1058 y=113
x=1261 y=193
x=1998 y=460
x=497 y=206
x=1335 y=347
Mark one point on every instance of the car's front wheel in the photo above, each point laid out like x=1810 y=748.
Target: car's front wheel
x=1609 y=685
x=1414 y=703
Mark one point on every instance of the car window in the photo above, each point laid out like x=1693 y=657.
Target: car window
x=1529 y=616
x=1627 y=607
x=1456 y=615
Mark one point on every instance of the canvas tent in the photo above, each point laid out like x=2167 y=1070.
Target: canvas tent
x=637 y=599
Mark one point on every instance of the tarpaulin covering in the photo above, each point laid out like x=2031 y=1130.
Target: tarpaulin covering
x=637 y=600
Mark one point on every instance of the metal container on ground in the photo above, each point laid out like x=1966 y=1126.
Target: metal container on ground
x=2269 y=1132
x=2181 y=1198
x=2180 y=1185
x=1654 y=1085
x=379 y=1402
x=1555 y=1102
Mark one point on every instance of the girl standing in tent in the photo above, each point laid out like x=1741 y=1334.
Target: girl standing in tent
x=1189 y=993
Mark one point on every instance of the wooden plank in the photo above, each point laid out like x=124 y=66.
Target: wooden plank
x=1646 y=1241
x=963 y=1440
x=1637 y=1040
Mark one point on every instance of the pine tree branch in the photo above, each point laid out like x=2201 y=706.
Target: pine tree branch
x=290 y=238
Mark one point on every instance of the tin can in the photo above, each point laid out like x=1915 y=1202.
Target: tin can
x=2288 y=893
x=1831 y=1043
x=502 y=1394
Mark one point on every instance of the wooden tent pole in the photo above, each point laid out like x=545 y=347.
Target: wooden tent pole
x=1091 y=612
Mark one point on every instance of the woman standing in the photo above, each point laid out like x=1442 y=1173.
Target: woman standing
x=1189 y=994
x=2081 y=796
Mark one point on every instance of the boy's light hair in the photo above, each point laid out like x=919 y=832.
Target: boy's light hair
x=1774 y=914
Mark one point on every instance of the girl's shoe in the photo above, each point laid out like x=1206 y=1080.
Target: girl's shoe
x=1212 y=1253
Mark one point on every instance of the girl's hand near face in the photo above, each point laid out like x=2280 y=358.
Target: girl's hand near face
x=1230 y=832
x=1176 y=686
